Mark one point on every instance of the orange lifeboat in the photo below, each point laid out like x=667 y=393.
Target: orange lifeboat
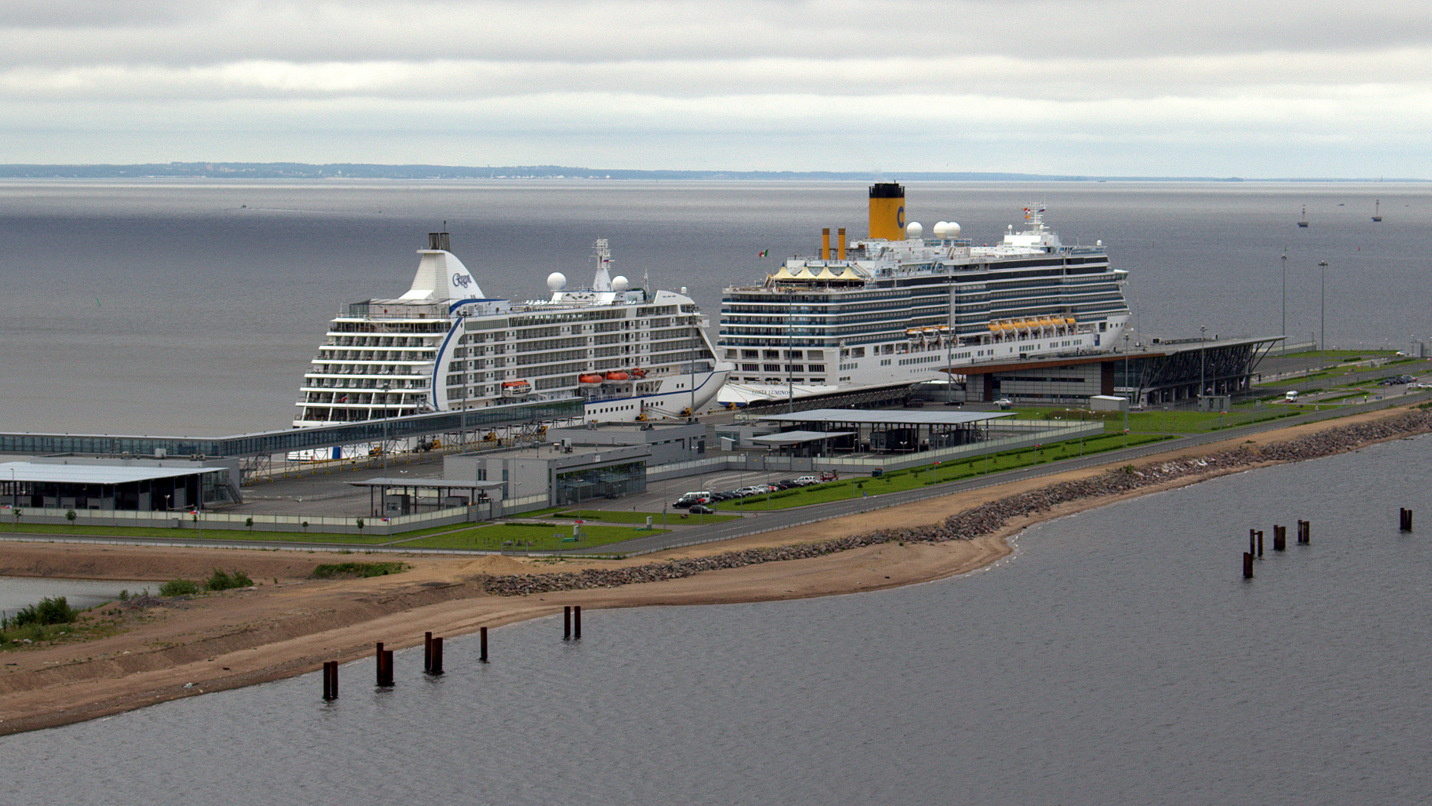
x=516 y=388
x=638 y=373
x=589 y=378
x=618 y=375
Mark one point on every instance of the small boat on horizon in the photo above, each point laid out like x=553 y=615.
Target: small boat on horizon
x=1377 y=210
x=1303 y=222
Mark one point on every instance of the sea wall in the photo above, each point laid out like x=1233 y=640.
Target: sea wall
x=993 y=516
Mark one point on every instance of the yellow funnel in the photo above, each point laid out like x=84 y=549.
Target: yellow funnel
x=887 y=211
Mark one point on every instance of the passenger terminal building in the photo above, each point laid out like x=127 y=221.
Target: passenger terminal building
x=1161 y=372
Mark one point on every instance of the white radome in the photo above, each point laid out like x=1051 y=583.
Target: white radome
x=556 y=281
x=620 y=284
x=914 y=230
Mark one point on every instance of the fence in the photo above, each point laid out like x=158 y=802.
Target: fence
x=1021 y=434
x=222 y=521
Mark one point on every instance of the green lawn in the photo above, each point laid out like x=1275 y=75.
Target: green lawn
x=1180 y=421
x=634 y=518
x=927 y=475
x=526 y=537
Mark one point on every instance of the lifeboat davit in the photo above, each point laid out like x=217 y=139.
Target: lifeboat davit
x=618 y=375
x=590 y=378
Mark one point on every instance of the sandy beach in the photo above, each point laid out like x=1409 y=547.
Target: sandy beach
x=290 y=624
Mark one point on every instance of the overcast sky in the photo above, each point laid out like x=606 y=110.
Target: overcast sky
x=1157 y=87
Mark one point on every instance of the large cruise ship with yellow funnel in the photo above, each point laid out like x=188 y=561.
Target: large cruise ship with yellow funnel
x=899 y=308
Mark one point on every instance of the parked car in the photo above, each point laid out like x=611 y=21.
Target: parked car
x=753 y=489
x=1004 y=403
x=702 y=509
x=696 y=497
x=804 y=481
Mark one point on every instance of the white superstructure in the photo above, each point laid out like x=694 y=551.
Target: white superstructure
x=445 y=346
x=900 y=308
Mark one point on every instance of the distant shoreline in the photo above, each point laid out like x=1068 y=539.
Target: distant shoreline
x=349 y=171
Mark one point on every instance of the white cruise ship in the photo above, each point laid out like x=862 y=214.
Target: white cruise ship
x=444 y=345
x=898 y=308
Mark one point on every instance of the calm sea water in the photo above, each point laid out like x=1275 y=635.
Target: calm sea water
x=1117 y=657
x=194 y=308
x=20 y=592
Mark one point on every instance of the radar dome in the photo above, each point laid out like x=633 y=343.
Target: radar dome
x=914 y=230
x=620 y=284
x=952 y=229
x=556 y=281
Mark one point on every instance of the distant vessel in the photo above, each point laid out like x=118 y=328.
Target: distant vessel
x=899 y=308
x=1377 y=210
x=627 y=353
x=1303 y=222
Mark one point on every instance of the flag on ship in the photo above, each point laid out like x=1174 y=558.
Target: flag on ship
x=763 y=253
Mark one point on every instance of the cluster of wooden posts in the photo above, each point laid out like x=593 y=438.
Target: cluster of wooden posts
x=1280 y=539
x=433 y=654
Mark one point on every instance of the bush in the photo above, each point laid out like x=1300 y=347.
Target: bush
x=220 y=581
x=47 y=611
x=360 y=570
x=179 y=587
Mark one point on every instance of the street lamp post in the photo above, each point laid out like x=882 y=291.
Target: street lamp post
x=1202 y=337
x=386 y=386
x=1285 y=296
x=790 y=350
x=1322 y=316
x=1128 y=401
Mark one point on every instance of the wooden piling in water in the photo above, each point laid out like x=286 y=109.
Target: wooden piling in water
x=1280 y=538
x=482 y=652
x=1252 y=540
x=1305 y=532
x=1260 y=542
x=427 y=651
x=383 y=661
x=435 y=664
x=1405 y=520
x=1247 y=565
x=566 y=622
x=577 y=622
x=330 y=680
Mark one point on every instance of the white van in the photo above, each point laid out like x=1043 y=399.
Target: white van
x=697 y=497
x=1291 y=397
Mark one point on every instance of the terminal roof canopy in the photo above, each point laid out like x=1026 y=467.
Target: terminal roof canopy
x=45 y=472
x=797 y=437
x=434 y=484
x=895 y=417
